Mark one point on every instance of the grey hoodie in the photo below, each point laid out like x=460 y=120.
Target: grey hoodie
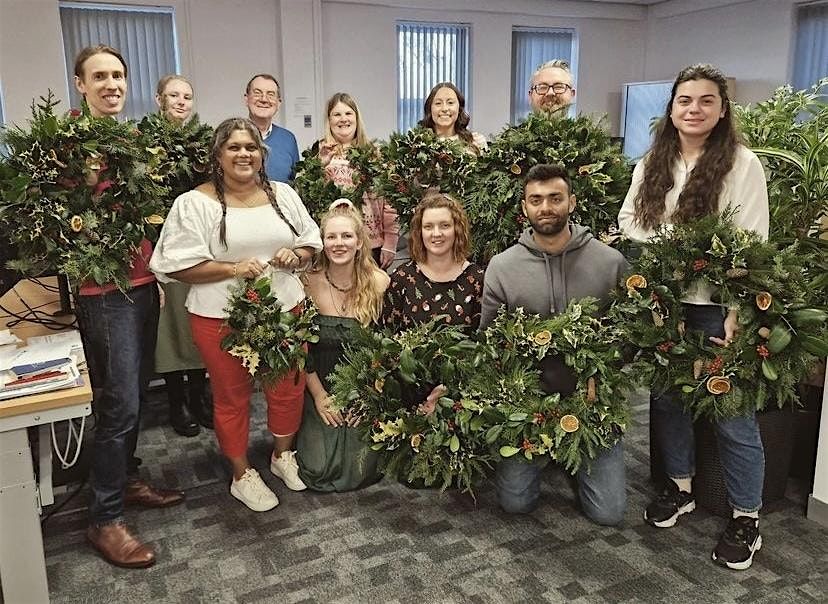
x=543 y=283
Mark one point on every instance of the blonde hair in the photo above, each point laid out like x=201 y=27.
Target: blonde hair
x=360 y=138
x=432 y=200
x=366 y=298
x=162 y=85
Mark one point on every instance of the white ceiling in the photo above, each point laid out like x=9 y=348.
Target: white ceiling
x=642 y=2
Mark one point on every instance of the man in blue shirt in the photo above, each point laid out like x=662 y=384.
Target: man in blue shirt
x=263 y=99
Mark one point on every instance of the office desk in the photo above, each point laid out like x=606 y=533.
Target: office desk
x=22 y=565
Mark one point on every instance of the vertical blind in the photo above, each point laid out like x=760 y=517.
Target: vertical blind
x=145 y=37
x=811 y=55
x=428 y=53
x=531 y=48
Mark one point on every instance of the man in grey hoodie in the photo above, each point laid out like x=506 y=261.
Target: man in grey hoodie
x=555 y=261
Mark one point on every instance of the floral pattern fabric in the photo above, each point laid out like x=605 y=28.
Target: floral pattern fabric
x=413 y=298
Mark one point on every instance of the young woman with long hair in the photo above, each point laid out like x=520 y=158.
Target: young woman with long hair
x=697 y=167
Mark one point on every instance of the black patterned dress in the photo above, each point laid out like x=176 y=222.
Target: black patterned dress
x=412 y=298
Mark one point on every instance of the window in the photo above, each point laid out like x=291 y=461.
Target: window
x=531 y=47
x=811 y=54
x=429 y=53
x=145 y=36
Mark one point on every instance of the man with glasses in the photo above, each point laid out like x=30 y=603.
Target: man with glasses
x=263 y=99
x=552 y=87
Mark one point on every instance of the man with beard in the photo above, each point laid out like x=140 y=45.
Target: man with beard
x=552 y=88
x=555 y=261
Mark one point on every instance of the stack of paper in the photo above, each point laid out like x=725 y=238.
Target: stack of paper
x=39 y=367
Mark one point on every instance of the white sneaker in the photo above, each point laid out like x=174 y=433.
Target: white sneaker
x=286 y=468
x=251 y=490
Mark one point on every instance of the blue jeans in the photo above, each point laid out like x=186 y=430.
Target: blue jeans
x=738 y=439
x=119 y=338
x=601 y=485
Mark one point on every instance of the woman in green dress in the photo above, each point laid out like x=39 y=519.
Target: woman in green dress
x=347 y=287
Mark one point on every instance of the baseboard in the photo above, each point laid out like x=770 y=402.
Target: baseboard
x=817 y=510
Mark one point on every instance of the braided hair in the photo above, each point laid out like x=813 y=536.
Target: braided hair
x=220 y=137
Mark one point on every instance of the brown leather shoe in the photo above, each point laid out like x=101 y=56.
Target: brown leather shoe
x=138 y=492
x=120 y=547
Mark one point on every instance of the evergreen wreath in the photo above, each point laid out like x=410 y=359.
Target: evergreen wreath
x=182 y=152
x=268 y=340
x=779 y=338
x=571 y=429
x=78 y=195
x=417 y=161
x=317 y=192
x=383 y=377
x=599 y=172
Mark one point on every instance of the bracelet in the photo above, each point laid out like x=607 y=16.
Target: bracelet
x=385 y=249
x=235 y=268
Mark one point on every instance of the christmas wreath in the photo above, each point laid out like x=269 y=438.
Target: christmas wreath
x=317 y=191
x=416 y=161
x=574 y=428
x=599 y=172
x=182 y=152
x=779 y=335
x=266 y=338
x=384 y=377
x=79 y=194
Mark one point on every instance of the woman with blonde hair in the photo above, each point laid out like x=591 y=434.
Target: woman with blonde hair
x=343 y=130
x=347 y=287
x=176 y=356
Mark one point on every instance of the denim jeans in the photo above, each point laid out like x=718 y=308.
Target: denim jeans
x=119 y=334
x=738 y=439
x=601 y=485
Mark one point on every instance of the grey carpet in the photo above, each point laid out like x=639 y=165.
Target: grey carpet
x=388 y=543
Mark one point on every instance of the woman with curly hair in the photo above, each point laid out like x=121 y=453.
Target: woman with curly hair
x=697 y=167
x=444 y=112
x=347 y=287
x=232 y=227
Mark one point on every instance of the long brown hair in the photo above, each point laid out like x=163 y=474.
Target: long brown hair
x=434 y=199
x=463 y=117
x=366 y=299
x=700 y=196
x=220 y=137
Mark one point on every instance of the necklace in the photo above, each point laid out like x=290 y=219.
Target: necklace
x=344 y=290
x=339 y=308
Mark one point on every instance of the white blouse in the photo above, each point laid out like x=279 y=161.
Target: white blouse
x=190 y=236
x=744 y=189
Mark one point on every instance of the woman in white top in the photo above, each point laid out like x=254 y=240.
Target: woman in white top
x=697 y=167
x=444 y=112
x=230 y=228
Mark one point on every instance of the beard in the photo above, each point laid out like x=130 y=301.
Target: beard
x=553 y=226
x=552 y=104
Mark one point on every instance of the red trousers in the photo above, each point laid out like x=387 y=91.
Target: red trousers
x=232 y=386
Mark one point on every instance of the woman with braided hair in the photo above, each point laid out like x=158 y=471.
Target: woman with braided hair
x=232 y=227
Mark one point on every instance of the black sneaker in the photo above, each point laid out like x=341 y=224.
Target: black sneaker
x=738 y=543
x=667 y=507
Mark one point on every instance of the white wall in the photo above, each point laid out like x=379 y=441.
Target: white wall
x=750 y=41
x=359 y=50
x=221 y=44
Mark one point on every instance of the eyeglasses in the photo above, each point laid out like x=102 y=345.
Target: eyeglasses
x=270 y=95
x=557 y=88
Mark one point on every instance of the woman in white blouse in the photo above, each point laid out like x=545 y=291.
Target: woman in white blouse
x=230 y=228
x=697 y=167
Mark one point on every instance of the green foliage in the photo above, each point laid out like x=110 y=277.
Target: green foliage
x=789 y=132
x=781 y=334
x=182 y=152
x=599 y=172
x=416 y=161
x=79 y=194
x=268 y=339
